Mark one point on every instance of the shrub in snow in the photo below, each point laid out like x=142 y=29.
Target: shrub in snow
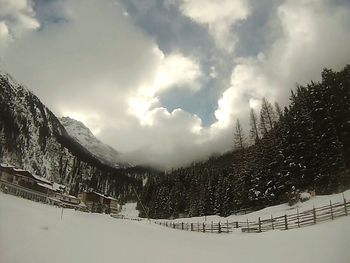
x=293 y=196
x=304 y=196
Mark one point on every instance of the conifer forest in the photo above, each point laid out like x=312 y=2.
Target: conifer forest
x=305 y=146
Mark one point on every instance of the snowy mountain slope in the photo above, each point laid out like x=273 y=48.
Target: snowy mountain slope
x=90 y=238
x=85 y=137
x=32 y=138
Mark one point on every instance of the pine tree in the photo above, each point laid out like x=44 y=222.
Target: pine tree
x=267 y=116
x=278 y=111
x=254 y=132
x=239 y=137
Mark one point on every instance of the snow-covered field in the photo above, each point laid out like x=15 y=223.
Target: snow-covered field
x=278 y=210
x=34 y=232
x=129 y=210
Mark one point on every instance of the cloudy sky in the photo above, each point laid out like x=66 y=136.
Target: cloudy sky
x=163 y=81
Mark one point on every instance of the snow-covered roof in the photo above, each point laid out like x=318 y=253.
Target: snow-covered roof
x=48 y=186
x=104 y=196
x=52 y=186
x=20 y=170
x=5 y=165
x=39 y=178
x=57 y=186
x=70 y=196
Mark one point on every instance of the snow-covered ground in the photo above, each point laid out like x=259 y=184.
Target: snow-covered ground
x=129 y=210
x=34 y=232
x=278 y=210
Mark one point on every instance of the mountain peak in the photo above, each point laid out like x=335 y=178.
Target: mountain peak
x=74 y=126
x=86 y=138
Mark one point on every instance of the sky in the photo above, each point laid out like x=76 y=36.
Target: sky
x=164 y=81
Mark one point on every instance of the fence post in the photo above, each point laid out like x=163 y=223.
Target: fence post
x=203 y=227
x=314 y=213
x=285 y=222
x=330 y=204
x=212 y=226
x=298 y=217
x=272 y=225
x=198 y=227
x=248 y=225
x=227 y=230
x=236 y=224
x=259 y=225
x=191 y=226
x=174 y=225
x=345 y=208
x=182 y=225
x=219 y=229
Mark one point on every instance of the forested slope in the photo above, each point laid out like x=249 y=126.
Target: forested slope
x=305 y=146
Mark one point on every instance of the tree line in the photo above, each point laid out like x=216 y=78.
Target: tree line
x=305 y=146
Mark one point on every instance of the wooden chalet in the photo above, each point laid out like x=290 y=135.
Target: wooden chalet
x=27 y=185
x=99 y=203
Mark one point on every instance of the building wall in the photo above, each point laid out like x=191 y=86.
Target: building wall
x=99 y=204
x=114 y=207
x=69 y=199
x=6 y=176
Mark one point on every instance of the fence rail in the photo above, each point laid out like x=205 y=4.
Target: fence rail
x=119 y=216
x=284 y=222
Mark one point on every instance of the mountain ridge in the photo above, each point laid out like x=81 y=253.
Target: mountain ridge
x=83 y=135
x=32 y=138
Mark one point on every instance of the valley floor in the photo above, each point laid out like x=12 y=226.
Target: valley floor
x=34 y=232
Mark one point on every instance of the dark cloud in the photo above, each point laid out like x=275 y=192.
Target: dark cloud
x=261 y=29
x=167 y=26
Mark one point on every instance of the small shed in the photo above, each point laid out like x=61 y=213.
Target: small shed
x=99 y=203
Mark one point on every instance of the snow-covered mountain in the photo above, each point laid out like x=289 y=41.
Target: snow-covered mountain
x=32 y=138
x=85 y=137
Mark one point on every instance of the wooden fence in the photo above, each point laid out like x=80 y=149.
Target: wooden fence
x=119 y=216
x=284 y=222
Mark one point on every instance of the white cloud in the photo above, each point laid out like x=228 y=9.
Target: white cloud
x=4 y=31
x=19 y=17
x=315 y=35
x=98 y=67
x=173 y=71
x=176 y=69
x=219 y=16
x=248 y=84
